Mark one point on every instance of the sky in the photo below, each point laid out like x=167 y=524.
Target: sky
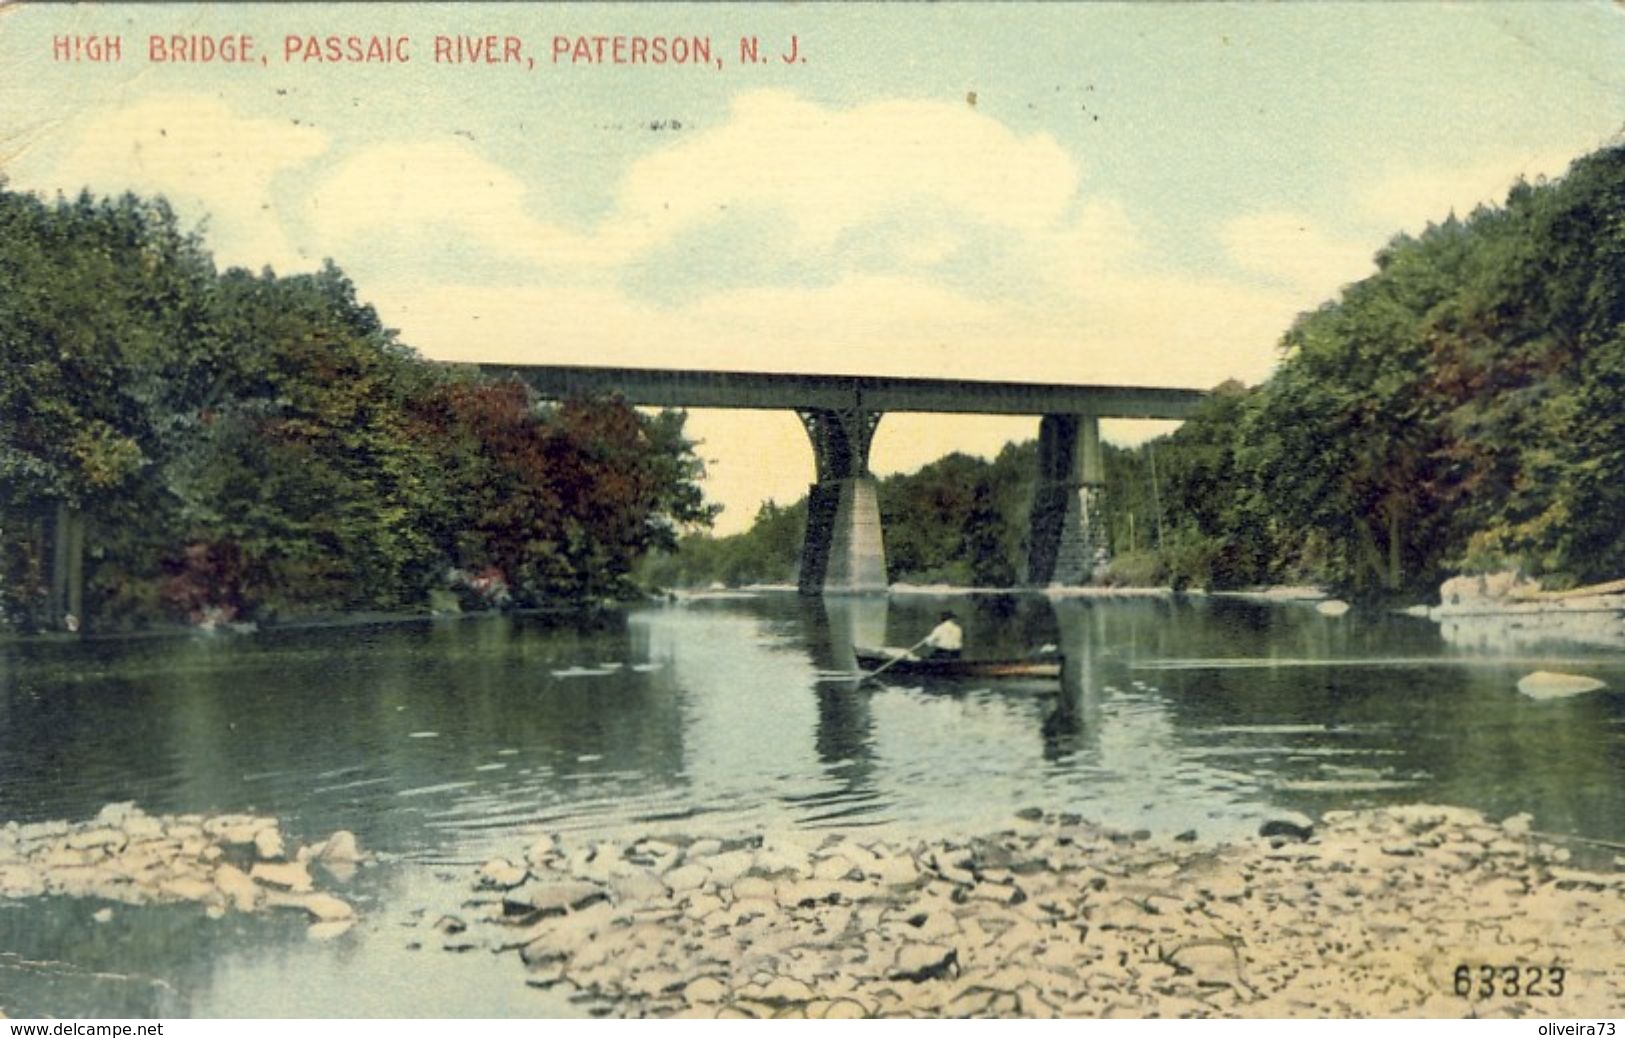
x=1086 y=193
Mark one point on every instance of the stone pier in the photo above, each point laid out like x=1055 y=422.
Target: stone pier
x=844 y=551
x=1068 y=543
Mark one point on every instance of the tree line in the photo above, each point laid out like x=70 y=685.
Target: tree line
x=182 y=443
x=1456 y=411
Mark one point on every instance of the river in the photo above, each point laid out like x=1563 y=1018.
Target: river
x=441 y=744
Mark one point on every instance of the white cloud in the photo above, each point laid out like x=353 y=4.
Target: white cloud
x=827 y=170
x=1409 y=198
x=965 y=202
x=207 y=160
x=1290 y=249
x=426 y=193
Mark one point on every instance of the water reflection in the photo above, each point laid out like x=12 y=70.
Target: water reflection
x=1073 y=726
x=455 y=742
x=835 y=627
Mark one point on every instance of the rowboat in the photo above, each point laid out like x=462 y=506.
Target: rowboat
x=873 y=659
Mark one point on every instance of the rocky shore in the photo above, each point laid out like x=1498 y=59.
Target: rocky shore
x=1395 y=912
x=1374 y=913
x=226 y=863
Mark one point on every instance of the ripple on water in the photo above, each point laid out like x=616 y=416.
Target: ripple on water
x=442 y=787
x=583 y=672
x=1342 y=785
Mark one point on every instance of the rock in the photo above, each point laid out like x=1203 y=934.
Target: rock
x=1543 y=684
x=244 y=894
x=1281 y=827
x=326 y=931
x=1332 y=607
x=544 y=851
x=728 y=866
x=754 y=887
x=1030 y=814
x=291 y=875
x=806 y=893
x=1517 y=825
x=779 y=989
x=845 y=1009
x=703 y=849
x=20 y=881
x=103 y=915
x=639 y=886
x=185 y=888
x=1212 y=962
x=1485 y=589
x=115 y=814
x=894 y=870
x=241 y=834
x=1189 y=836
x=113 y=840
x=342 y=848
x=142 y=827
x=324 y=908
x=34 y=832
x=657 y=852
x=700 y=906
x=922 y=962
x=1223 y=886
x=450 y=924
x=686 y=877
x=552 y=897
x=268 y=845
x=836 y=866
x=501 y=874
x=705 y=991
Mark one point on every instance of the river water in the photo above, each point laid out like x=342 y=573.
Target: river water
x=442 y=744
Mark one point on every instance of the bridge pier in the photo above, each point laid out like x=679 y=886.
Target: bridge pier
x=843 y=550
x=1068 y=532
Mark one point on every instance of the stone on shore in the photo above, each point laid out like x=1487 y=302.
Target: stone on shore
x=341 y=848
x=244 y=894
x=324 y=908
x=268 y=844
x=326 y=931
x=290 y=875
x=552 y=896
x=128 y=856
x=502 y=874
x=1063 y=919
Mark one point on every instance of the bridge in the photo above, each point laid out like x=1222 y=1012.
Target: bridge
x=844 y=549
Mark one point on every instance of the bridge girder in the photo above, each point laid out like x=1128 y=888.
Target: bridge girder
x=657 y=387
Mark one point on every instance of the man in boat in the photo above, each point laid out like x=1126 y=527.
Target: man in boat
x=945 y=640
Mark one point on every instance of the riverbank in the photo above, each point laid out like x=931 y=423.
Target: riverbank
x=1388 y=912
x=1393 y=912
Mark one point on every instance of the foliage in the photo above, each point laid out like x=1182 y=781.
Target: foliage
x=245 y=444
x=1459 y=409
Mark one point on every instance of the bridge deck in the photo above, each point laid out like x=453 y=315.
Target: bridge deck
x=657 y=387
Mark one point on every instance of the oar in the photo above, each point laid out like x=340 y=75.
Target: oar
x=885 y=666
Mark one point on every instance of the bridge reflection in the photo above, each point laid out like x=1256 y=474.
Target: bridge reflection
x=838 y=625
